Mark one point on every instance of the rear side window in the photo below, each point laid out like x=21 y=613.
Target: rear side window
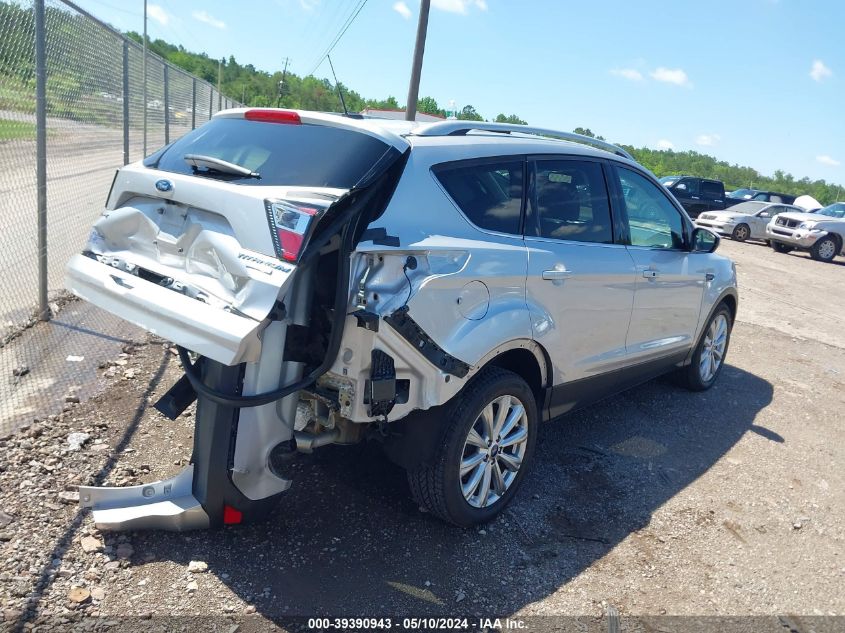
x=572 y=201
x=299 y=155
x=710 y=189
x=489 y=194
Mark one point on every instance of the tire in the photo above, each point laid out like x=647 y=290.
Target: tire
x=741 y=232
x=778 y=247
x=693 y=376
x=439 y=486
x=825 y=249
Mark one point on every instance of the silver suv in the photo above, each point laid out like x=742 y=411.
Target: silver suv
x=822 y=232
x=439 y=288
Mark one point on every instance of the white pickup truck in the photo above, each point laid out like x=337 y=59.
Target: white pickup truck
x=821 y=233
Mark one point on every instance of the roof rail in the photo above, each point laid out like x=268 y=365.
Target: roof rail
x=460 y=128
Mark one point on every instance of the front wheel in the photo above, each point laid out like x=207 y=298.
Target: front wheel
x=709 y=356
x=741 y=233
x=486 y=446
x=825 y=249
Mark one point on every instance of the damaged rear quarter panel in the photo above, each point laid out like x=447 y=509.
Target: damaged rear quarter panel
x=466 y=291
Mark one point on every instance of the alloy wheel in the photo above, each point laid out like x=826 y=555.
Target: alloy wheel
x=715 y=342
x=493 y=451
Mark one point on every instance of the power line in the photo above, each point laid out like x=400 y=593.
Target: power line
x=339 y=36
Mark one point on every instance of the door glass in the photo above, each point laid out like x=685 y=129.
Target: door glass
x=572 y=202
x=653 y=220
x=489 y=194
x=688 y=186
x=710 y=189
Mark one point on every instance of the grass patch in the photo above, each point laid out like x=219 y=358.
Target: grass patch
x=13 y=130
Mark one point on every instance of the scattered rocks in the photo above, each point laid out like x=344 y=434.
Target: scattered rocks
x=69 y=496
x=197 y=567
x=5 y=519
x=98 y=593
x=91 y=544
x=129 y=374
x=20 y=371
x=78 y=595
x=124 y=550
x=72 y=398
x=77 y=440
x=192 y=586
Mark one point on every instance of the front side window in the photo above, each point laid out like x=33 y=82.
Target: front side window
x=489 y=194
x=687 y=186
x=653 y=220
x=571 y=202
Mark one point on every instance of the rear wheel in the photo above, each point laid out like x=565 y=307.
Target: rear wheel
x=825 y=249
x=485 y=449
x=741 y=233
x=778 y=247
x=709 y=356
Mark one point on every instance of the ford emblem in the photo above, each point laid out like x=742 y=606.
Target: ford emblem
x=164 y=186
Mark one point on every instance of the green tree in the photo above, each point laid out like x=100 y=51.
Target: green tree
x=511 y=118
x=468 y=113
x=429 y=106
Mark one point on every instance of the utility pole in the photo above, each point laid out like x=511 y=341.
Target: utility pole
x=416 y=68
x=282 y=85
x=145 y=77
x=219 y=84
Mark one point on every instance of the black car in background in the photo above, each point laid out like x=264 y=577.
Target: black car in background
x=697 y=195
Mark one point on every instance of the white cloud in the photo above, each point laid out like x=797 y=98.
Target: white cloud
x=664 y=144
x=459 y=6
x=819 y=71
x=628 y=73
x=671 y=76
x=402 y=9
x=209 y=19
x=158 y=14
x=707 y=140
x=824 y=159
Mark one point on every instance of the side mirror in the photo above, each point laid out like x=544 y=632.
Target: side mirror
x=704 y=241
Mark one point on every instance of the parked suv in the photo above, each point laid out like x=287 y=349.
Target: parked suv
x=822 y=232
x=439 y=288
x=745 y=221
x=697 y=195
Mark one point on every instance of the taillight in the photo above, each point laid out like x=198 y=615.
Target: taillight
x=273 y=116
x=290 y=223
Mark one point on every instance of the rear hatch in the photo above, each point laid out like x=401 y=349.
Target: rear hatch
x=199 y=242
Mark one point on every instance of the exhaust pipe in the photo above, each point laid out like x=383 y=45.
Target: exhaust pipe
x=306 y=442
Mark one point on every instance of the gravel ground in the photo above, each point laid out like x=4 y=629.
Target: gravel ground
x=658 y=501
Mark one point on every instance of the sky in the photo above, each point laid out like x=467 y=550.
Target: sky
x=755 y=82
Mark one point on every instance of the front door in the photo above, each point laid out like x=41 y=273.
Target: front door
x=580 y=284
x=670 y=279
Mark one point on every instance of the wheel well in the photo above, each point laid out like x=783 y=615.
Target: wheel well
x=730 y=301
x=523 y=363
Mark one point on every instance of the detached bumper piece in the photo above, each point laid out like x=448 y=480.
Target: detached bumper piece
x=163 y=505
x=202 y=495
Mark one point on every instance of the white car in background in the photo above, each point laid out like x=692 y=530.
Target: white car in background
x=821 y=233
x=744 y=221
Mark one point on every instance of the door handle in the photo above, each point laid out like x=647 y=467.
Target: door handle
x=555 y=274
x=651 y=274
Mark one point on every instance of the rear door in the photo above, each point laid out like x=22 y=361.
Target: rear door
x=580 y=283
x=712 y=194
x=669 y=283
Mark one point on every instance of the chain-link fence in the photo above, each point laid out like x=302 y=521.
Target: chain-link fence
x=61 y=139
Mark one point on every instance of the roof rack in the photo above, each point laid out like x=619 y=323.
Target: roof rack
x=460 y=128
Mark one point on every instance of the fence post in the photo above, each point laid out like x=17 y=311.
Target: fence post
x=41 y=155
x=193 y=103
x=166 y=105
x=210 y=101
x=125 y=102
